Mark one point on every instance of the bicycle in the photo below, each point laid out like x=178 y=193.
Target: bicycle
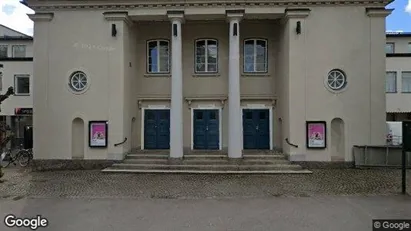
x=23 y=157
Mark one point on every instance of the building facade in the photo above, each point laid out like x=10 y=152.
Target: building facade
x=208 y=75
x=398 y=76
x=16 y=70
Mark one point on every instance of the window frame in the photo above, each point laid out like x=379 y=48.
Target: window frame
x=402 y=83
x=393 y=47
x=7 y=50
x=206 y=57
x=16 y=77
x=255 y=56
x=396 y=79
x=158 y=57
x=19 y=45
x=409 y=47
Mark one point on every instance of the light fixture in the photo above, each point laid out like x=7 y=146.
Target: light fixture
x=298 y=28
x=113 y=30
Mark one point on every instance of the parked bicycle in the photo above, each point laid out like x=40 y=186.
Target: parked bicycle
x=21 y=156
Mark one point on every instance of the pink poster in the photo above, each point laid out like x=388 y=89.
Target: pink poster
x=316 y=134
x=98 y=134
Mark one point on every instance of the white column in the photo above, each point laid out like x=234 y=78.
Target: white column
x=234 y=109
x=176 y=113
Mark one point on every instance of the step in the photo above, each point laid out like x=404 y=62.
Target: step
x=147 y=156
x=162 y=171
x=206 y=161
x=263 y=156
x=207 y=167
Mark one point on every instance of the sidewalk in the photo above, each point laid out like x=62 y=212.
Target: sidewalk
x=20 y=183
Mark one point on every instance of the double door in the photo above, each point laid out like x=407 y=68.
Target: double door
x=206 y=129
x=256 y=129
x=157 y=129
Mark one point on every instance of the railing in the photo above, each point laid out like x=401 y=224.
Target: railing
x=289 y=143
x=125 y=139
x=379 y=156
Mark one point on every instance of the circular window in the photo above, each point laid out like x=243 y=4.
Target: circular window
x=78 y=81
x=336 y=80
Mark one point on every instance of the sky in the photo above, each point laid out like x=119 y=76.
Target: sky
x=14 y=15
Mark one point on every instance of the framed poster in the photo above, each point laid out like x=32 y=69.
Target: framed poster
x=98 y=133
x=316 y=132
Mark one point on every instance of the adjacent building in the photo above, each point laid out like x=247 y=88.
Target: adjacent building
x=398 y=77
x=16 y=70
x=208 y=75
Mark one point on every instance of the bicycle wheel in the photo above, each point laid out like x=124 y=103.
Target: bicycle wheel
x=24 y=158
x=5 y=163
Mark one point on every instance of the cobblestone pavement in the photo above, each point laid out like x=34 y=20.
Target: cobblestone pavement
x=20 y=183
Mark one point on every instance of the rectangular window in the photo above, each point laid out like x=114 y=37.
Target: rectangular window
x=406 y=81
x=19 y=51
x=409 y=47
x=391 y=82
x=206 y=56
x=22 y=84
x=3 y=51
x=389 y=48
x=158 y=56
x=255 y=56
x=1 y=80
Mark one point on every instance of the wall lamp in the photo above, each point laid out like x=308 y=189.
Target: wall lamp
x=298 y=28
x=113 y=30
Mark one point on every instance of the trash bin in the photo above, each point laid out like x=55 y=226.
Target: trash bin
x=28 y=137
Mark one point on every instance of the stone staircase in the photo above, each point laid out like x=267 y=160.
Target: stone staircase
x=206 y=162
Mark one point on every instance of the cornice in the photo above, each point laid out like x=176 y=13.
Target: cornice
x=117 y=16
x=41 y=17
x=179 y=4
x=378 y=12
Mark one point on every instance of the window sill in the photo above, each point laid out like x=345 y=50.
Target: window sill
x=21 y=94
x=255 y=75
x=406 y=92
x=206 y=74
x=157 y=75
x=391 y=92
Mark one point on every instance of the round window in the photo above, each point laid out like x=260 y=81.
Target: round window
x=78 y=81
x=336 y=80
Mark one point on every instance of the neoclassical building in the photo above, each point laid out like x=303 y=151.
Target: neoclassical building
x=208 y=75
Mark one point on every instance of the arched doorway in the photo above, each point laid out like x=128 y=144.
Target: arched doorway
x=77 y=139
x=337 y=140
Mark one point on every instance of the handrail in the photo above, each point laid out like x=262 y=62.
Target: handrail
x=289 y=143
x=125 y=139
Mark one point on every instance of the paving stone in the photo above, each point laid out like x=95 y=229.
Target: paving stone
x=95 y=184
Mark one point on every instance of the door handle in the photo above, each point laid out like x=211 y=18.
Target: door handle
x=206 y=128
x=256 y=128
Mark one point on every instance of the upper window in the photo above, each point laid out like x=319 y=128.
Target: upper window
x=206 y=56
x=255 y=55
x=78 y=81
x=158 y=56
x=409 y=47
x=406 y=81
x=22 y=84
x=19 y=51
x=389 y=48
x=391 y=82
x=3 y=51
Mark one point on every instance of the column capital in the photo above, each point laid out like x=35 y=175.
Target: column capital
x=176 y=15
x=234 y=15
x=118 y=16
x=45 y=17
x=296 y=13
x=378 y=12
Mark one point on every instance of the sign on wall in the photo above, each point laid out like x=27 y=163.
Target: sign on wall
x=23 y=111
x=98 y=133
x=316 y=132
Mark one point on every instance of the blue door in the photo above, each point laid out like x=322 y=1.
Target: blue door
x=256 y=131
x=206 y=129
x=157 y=129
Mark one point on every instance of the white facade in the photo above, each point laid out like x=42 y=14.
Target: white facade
x=16 y=70
x=398 y=76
